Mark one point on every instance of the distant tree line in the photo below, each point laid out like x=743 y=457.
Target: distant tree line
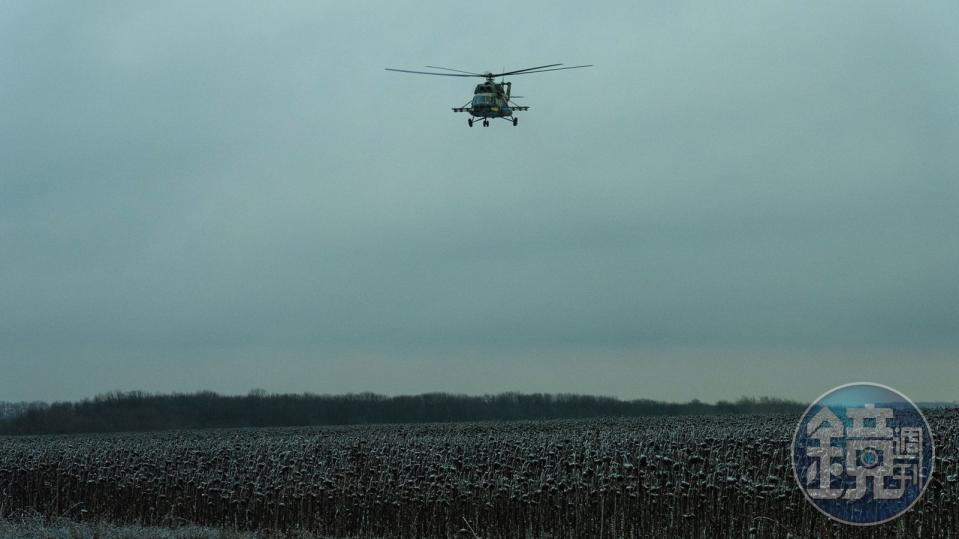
x=140 y=411
x=13 y=409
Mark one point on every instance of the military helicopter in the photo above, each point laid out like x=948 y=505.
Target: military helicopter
x=491 y=99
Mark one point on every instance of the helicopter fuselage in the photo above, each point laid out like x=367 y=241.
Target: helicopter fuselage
x=491 y=100
x=489 y=106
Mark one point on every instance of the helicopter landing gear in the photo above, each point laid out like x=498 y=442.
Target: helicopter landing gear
x=515 y=121
x=485 y=123
x=470 y=121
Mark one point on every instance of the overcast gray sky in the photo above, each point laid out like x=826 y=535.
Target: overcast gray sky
x=747 y=199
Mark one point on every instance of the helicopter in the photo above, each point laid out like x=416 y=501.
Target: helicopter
x=491 y=99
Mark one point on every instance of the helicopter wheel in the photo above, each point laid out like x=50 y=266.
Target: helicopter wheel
x=515 y=121
x=485 y=123
x=470 y=121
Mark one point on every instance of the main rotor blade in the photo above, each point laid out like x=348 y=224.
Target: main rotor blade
x=429 y=73
x=457 y=70
x=555 y=69
x=521 y=70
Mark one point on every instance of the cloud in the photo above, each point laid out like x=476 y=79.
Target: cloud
x=182 y=184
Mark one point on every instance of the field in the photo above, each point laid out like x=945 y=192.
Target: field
x=707 y=476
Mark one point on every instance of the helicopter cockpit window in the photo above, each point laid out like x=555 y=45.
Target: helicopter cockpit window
x=481 y=100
